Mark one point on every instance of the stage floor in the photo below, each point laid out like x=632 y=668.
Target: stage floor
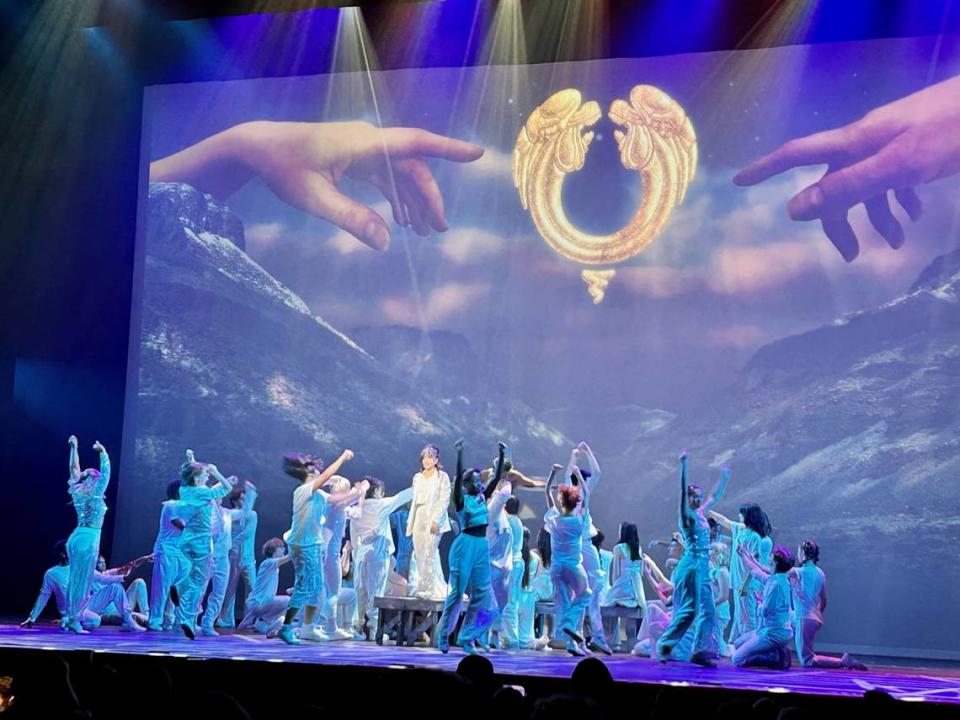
x=929 y=684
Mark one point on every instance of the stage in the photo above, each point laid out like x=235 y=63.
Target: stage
x=910 y=684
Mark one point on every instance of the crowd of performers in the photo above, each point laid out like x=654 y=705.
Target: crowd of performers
x=726 y=590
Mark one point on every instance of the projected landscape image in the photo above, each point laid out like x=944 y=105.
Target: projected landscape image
x=297 y=292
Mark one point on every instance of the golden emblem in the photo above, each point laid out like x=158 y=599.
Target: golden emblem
x=659 y=143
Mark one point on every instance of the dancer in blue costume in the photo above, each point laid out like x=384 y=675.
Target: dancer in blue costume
x=692 y=596
x=768 y=645
x=469 y=558
x=567 y=526
x=86 y=490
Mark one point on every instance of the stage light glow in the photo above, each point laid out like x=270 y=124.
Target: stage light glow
x=912 y=698
x=275 y=660
x=778 y=690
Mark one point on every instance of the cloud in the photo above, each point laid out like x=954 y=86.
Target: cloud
x=655 y=281
x=740 y=269
x=261 y=236
x=736 y=336
x=465 y=245
x=439 y=305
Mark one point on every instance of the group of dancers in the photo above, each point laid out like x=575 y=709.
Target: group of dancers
x=206 y=544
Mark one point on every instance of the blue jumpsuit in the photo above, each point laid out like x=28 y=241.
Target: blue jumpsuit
x=83 y=545
x=692 y=594
x=469 y=562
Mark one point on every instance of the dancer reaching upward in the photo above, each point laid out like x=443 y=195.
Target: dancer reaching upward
x=199 y=504
x=469 y=558
x=305 y=539
x=86 y=490
x=592 y=565
x=372 y=544
x=567 y=527
x=692 y=596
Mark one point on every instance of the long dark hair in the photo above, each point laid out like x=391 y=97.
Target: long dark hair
x=631 y=538
x=755 y=519
x=525 y=551
x=543 y=547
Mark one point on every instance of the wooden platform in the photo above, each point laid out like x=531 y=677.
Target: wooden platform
x=410 y=617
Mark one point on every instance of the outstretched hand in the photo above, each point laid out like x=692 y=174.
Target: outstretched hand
x=72 y=441
x=302 y=163
x=896 y=147
x=458 y=444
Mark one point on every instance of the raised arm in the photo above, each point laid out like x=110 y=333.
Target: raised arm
x=350 y=496
x=551 y=505
x=722 y=520
x=682 y=516
x=391 y=505
x=224 y=485
x=74 y=459
x=104 y=479
x=458 y=481
x=519 y=480
x=330 y=471
x=501 y=453
x=592 y=462
x=719 y=489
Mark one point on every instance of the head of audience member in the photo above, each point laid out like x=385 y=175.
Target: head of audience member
x=274 y=548
x=569 y=498
x=429 y=458
x=782 y=559
x=478 y=670
x=544 y=549
x=173 y=490
x=513 y=505
x=630 y=536
x=375 y=488
x=592 y=678
x=808 y=551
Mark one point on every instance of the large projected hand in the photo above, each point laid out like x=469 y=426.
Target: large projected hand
x=896 y=147
x=303 y=162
